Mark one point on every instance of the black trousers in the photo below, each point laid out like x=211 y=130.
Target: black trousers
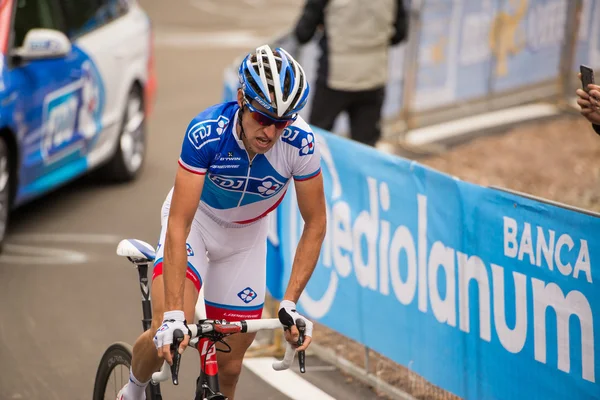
x=363 y=108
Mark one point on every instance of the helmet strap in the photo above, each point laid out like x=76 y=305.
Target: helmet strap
x=242 y=133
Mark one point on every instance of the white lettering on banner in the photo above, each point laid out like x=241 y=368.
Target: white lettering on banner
x=574 y=303
x=512 y=340
x=366 y=224
x=473 y=268
x=404 y=290
x=343 y=250
x=443 y=309
x=551 y=251
x=546 y=24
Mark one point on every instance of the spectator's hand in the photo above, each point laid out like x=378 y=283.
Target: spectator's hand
x=590 y=103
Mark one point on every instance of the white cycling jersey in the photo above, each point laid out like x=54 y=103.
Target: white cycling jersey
x=239 y=191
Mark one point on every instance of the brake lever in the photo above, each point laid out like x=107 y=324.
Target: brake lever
x=301 y=325
x=177 y=339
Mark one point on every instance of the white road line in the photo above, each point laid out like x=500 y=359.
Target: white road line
x=431 y=134
x=287 y=382
x=187 y=40
x=94 y=238
x=246 y=12
x=254 y=3
x=206 y=6
x=35 y=255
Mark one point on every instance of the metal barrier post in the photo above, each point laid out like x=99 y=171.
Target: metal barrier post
x=411 y=62
x=569 y=49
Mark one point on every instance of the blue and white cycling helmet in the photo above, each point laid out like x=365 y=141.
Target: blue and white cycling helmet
x=275 y=80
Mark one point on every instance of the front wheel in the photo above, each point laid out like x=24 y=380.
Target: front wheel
x=113 y=372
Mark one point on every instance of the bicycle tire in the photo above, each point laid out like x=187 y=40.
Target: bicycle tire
x=117 y=354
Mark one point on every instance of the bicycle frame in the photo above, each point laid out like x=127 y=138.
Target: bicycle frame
x=208 y=380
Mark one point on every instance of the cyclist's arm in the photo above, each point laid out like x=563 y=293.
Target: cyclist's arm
x=184 y=202
x=311 y=202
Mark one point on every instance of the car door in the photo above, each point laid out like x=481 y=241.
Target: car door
x=47 y=106
x=97 y=29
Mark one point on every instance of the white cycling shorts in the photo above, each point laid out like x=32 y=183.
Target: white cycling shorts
x=229 y=261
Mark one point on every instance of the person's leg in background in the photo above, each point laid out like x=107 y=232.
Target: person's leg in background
x=365 y=115
x=327 y=104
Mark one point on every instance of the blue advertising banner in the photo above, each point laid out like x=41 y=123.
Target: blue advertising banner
x=588 y=43
x=483 y=293
x=469 y=49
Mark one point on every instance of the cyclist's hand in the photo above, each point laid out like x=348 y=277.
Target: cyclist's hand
x=287 y=316
x=164 y=335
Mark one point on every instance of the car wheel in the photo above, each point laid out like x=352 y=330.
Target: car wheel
x=130 y=155
x=4 y=190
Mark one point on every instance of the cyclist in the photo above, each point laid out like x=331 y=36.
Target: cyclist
x=236 y=163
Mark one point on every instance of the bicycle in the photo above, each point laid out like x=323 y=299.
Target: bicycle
x=203 y=335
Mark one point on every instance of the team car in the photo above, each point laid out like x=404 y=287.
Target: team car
x=77 y=83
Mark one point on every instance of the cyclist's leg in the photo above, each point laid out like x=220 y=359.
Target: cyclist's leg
x=235 y=289
x=145 y=359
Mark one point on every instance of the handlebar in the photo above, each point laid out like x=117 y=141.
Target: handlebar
x=210 y=328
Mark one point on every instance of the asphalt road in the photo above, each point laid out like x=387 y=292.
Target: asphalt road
x=64 y=294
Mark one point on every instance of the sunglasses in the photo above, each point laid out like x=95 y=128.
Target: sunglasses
x=266 y=120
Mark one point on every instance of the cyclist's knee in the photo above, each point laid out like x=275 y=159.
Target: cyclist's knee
x=229 y=372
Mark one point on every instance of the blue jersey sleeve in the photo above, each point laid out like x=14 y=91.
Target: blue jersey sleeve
x=201 y=141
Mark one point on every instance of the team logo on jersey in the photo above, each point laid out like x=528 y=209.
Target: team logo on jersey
x=205 y=130
x=308 y=145
x=190 y=251
x=233 y=183
x=300 y=139
x=265 y=187
x=247 y=295
x=268 y=188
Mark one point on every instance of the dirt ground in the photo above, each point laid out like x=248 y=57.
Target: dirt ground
x=556 y=159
